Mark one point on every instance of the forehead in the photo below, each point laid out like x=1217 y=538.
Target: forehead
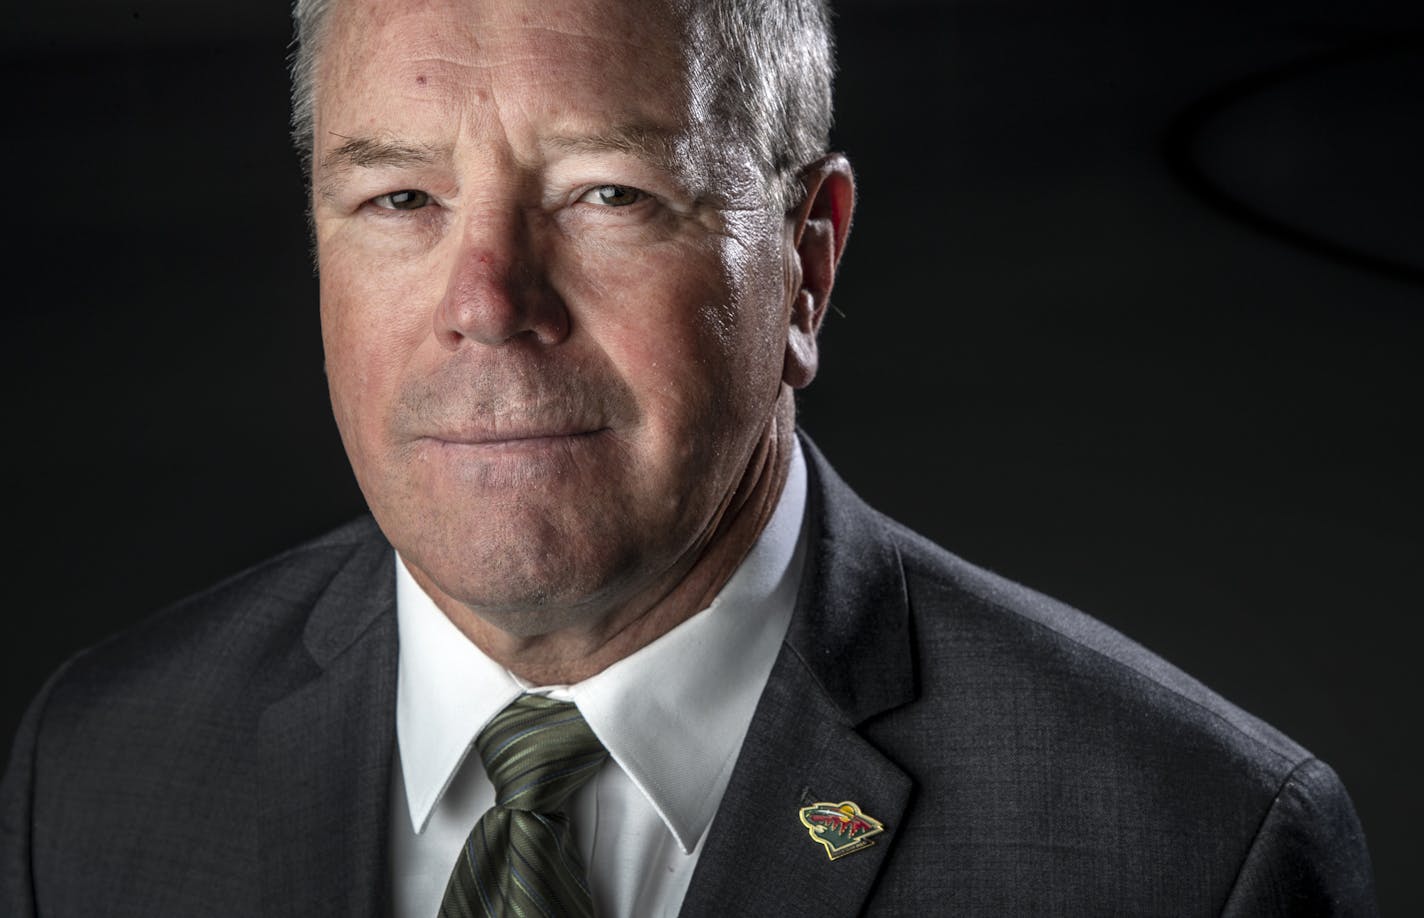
x=532 y=61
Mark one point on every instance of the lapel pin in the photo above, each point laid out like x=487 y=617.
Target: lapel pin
x=840 y=827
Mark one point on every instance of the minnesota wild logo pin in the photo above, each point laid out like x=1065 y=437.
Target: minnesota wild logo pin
x=840 y=827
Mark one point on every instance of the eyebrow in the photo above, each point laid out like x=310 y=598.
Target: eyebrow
x=654 y=145
x=369 y=153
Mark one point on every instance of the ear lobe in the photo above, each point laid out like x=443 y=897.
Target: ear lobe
x=818 y=228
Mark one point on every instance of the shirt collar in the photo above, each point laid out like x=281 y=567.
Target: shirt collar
x=715 y=664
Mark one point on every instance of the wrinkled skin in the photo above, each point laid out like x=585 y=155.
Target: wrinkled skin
x=562 y=322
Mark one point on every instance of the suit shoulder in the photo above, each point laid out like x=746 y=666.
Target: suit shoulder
x=231 y=637
x=1044 y=744
x=162 y=726
x=1055 y=765
x=1011 y=629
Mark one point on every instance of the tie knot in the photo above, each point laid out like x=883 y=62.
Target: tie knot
x=537 y=752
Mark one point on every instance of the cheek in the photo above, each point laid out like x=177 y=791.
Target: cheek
x=371 y=327
x=658 y=317
x=690 y=336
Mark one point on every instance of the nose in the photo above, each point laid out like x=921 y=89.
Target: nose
x=498 y=291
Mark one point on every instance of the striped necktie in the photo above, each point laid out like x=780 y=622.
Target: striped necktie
x=521 y=859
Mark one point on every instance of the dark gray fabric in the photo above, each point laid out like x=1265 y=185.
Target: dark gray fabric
x=228 y=757
x=1025 y=759
x=233 y=756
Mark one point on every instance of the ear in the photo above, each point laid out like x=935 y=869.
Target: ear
x=816 y=230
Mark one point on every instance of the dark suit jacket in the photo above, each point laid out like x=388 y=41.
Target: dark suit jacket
x=233 y=755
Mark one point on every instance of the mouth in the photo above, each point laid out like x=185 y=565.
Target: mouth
x=531 y=438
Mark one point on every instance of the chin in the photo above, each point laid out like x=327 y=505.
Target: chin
x=525 y=583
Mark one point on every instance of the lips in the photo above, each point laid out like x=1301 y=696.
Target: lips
x=512 y=398
x=464 y=420
x=531 y=435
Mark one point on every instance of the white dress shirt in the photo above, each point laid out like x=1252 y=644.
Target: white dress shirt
x=672 y=717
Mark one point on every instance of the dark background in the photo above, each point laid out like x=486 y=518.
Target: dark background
x=1132 y=312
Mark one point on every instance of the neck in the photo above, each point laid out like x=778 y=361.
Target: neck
x=573 y=654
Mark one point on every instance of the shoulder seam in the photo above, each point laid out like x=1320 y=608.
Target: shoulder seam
x=1292 y=763
x=1261 y=827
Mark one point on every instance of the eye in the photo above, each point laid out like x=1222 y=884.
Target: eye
x=613 y=196
x=408 y=199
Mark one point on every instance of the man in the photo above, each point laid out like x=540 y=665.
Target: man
x=573 y=259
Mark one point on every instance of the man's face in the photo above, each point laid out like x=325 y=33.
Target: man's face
x=554 y=300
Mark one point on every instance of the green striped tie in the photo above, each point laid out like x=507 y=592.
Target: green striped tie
x=520 y=859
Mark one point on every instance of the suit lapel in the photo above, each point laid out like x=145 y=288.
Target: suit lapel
x=325 y=752
x=759 y=859
x=847 y=658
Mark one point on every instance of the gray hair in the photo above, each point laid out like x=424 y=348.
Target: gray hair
x=773 y=59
